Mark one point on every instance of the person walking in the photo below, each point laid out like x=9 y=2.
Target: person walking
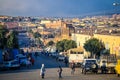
x=60 y=72
x=32 y=61
x=103 y=67
x=42 y=71
x=72 y=68
x=66 y=61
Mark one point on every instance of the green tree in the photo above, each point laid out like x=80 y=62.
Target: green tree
x=94 y=46
x=36 y=35
x=50 y=43
x=60 y=46
x=12 y=40
x=3 y=32
x=65 y=45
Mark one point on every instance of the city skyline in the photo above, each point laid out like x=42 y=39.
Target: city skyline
x=55 y=7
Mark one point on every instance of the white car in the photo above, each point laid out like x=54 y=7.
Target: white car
x=22 y=59
x=11 y=64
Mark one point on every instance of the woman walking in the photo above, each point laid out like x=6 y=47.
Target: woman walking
x=42 y=71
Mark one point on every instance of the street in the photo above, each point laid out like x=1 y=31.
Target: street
x=33 y=73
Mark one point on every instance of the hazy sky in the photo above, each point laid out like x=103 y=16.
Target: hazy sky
x=54 y=7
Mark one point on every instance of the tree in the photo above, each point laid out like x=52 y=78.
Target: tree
x=50 y=43
x=65 y=45
x=36 y=35
x=12 y=41
x=94 y=46
x=3 y=32
x=60 y=46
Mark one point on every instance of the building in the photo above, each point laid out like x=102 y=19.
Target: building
x=11 y=25
x=111 y=42
x=54 y=24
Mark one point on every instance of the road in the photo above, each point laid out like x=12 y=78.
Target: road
x=51 y=72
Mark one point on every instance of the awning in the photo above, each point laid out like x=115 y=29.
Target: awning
x=79 y=49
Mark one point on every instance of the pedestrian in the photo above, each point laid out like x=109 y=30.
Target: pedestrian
x=32 y=61
x=42 y=71
x=60 y=72
x=66 y=61
x=103 y=67
x=72 y=68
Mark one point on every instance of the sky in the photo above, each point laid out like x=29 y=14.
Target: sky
x=55 y=7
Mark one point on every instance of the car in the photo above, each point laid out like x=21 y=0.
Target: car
x=89 y=65
x=60 y=58
x=117 y=67
x=11 y=64
x=22 y=59
x=1 y=66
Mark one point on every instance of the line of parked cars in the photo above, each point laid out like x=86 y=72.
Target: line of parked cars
x=20 y=60
x=92 y=65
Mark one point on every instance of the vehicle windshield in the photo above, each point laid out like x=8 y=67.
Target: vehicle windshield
x=90 y=61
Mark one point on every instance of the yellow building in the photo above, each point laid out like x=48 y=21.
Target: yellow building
x=80 y=39
x=76 y=20
x=111 y=42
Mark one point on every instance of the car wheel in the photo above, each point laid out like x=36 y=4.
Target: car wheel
x=118 y=75
x=18 y=67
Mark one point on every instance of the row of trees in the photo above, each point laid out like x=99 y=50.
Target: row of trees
x=8 y=39
x=93 y=45
x=65 y=45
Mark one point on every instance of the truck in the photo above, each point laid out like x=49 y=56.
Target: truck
x=110 y=62
x=76 y=55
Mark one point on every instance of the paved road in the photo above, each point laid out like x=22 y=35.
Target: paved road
x=51 y=72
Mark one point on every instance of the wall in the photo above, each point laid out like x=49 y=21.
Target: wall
x=111 y=42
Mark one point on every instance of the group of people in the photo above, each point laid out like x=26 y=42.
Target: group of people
x=43 y=70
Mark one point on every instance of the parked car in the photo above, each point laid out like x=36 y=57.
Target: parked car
x=117 y=67
x=11 y=64
x=108 y=63
x=22 y=60
x=89 y=65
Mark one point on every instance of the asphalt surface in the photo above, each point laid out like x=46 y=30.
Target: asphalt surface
x=33 y=73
